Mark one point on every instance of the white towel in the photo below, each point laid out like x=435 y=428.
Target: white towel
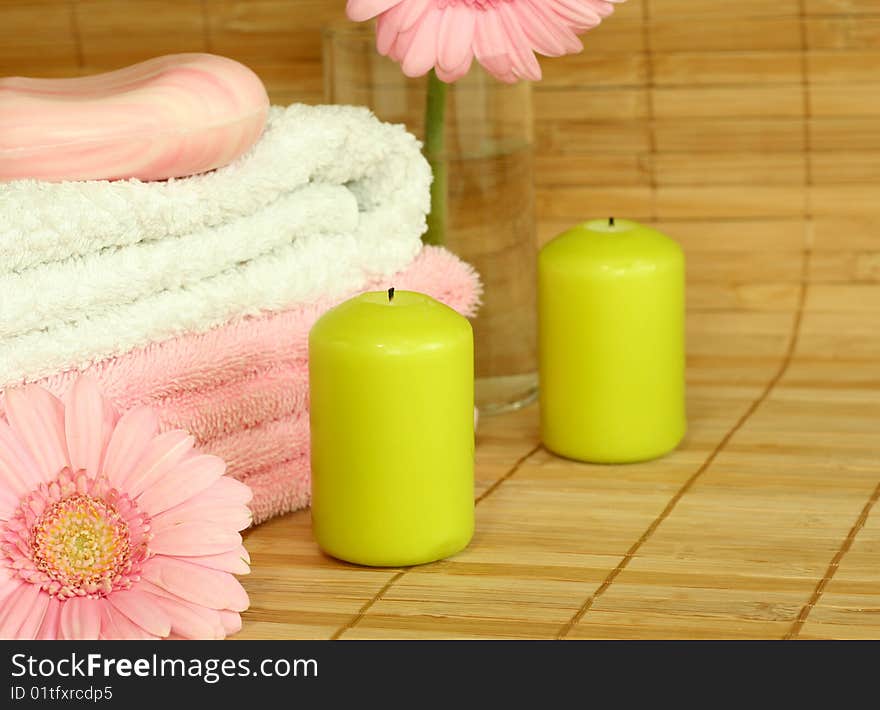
x=94 y=284
x=328 y=199
x=337 y=145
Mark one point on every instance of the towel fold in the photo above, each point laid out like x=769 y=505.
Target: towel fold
x=94 y=284
x=242 y=388
x=379 y=163
x=327 y=200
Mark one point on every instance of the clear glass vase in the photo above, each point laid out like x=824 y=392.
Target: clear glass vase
x=490 y=210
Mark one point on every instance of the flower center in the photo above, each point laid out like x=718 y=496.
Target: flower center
x=82 y=543
x=76 y=537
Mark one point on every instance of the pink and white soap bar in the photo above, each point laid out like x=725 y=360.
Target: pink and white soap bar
x=167 y=117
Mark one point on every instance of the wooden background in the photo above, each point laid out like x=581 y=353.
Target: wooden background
x=750 y=131
x=747 y=128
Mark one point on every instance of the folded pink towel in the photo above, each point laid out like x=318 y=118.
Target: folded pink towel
x=242 y=388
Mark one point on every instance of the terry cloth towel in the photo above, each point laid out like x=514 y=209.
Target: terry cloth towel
x=242 y=388
x=328 y=200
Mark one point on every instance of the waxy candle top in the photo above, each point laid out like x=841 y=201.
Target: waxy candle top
x=392 y=322
x=608 y=247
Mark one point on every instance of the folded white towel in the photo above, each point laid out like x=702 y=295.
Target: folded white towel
x=337 y=145
x=91 y=285
x=328 y=199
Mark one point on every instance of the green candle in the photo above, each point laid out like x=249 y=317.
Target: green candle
x=611 y=342
x=392 y=423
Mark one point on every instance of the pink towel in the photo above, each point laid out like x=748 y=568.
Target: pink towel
x=242 y=388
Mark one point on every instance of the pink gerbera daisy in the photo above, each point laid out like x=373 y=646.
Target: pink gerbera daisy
x=502 y=34
x=109 y=529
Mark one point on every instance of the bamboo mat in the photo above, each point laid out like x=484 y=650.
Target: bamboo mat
x=763 y=524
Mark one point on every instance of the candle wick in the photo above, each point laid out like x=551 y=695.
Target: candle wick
x=611 y=221
x=390 y=295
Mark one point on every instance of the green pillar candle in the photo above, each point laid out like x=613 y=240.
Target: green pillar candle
x=612 y=343
x=391 y=377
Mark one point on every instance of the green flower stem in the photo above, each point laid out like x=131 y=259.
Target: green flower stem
x=435 y=152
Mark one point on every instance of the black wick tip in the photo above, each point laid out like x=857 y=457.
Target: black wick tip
x=611 y=221
x=390 y=295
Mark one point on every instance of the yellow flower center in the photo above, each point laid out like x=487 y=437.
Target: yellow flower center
x=82 y=543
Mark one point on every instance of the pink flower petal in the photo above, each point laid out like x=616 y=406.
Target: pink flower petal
x=50 y=628
x=232 y=516
x=414 y=12
x=402 y=44
x=547 y=31
x=162 y=455
x=190 y=621
x=37 y=417
x=580 y=14
x=16 y=608
x=605 y=9
x=86 y=425
x=138 y=608
x=362 y=10
x=225 y=491
x=209 y=616
x=245 y=555
x=9 y=587
x=116 y=625
x=81 y=619
x=228 y=490
x=193 y=539
x=8 y=500
x=19 y=474
x=199 y=585
x=422 y=54
x=191 y=477
x=456 y=36
x=109 y=630
x=489 y=46
x=235 y=562
x=9 y=583
x=130 y=439
x=231 y=621
x=5 y=576
x=388 y=28
x=34 y=620
x=457 y=73
x=525 y=63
